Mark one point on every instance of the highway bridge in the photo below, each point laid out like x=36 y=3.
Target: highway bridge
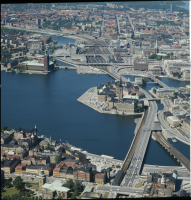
x=172 y=150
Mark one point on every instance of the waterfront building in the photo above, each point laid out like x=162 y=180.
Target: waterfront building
x=161 y=92
x=37 y=66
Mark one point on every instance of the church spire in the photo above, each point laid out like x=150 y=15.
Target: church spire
x=156 y=44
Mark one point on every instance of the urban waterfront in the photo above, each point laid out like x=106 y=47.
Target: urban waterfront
x=50 y=101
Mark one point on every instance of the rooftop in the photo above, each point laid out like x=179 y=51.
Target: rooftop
x=55 y=186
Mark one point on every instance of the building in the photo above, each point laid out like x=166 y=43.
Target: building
x=156 y=50
x=85 y=174
x=35 y=169
x=37 y=66
x=186 y=123
x=160 y=184
x=172 y=121
x=42 y=180
x=9 y=165
x=5 y=138
x=161 y=92
x=49 y=191
x=100 y=178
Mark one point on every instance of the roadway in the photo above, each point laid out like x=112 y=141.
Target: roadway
x=166 y=127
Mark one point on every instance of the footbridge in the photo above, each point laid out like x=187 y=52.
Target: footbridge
x=158 y=136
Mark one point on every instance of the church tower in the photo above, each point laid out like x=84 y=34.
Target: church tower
x=156 y=47
x=120 y=90
x=41 y=180
x=46 y=61
x=36 y=131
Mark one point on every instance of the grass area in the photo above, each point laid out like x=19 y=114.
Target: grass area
x=33 y=185
x=9 y=191
x=138 y=185
x=106 y=195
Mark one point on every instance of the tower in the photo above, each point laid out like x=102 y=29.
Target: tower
x=120 y=89
x=41 y=180
x=32 y=137
x=171 y=8
x=163 y=182
x=156 y=47
x=46 y=61
x=36 y=131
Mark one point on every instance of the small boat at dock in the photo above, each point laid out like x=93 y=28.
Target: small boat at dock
x=174 y=140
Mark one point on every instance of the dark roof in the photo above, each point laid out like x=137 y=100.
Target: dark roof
x=168 y=113
x=185 y=107
x=118 y=178
x=9 y=163
x=187 y=95
x=187 y=120
x=180 y=95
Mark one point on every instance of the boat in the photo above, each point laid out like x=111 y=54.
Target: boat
x=174 y=140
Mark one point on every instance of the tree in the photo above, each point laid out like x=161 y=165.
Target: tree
x=78 y=186
x=4 y=128
x=175 y=93
x=154 y=90
x=110 y=169
x=8 y=184
x=69 y=184
x=19 y=185
x=57 y=159
x=144 y=80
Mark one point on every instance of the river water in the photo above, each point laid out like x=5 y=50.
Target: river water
x=50 y=102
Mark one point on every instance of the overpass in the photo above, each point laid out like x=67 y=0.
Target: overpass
x=158 y=136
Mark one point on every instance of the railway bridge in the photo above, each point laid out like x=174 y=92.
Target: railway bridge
x=158 y=136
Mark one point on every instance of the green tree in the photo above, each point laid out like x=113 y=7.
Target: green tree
x=144 y=80
x=19 y=185
x=110 y=169
x=57 y=159
x=69 y=184
x=175 y=93
x=154 y=90
x=8 y=184
x=4 y=128
x=78 y=186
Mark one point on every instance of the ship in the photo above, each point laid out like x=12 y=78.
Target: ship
x=174 y=140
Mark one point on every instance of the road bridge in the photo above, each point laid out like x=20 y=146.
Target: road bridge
x=158 y=136
x=158 y=81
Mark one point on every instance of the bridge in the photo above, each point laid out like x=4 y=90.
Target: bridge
x=158 y=136
x=158 y=81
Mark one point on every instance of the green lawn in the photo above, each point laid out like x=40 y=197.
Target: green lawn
x=138 y=184
x=10 y=191
x=106 y=195
x=32 y=185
